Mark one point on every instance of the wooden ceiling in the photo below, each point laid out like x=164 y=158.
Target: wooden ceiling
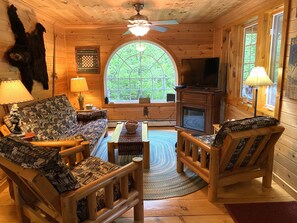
x=115 y=12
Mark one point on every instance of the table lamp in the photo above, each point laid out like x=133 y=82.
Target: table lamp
x=79 y=84
x=258 y=77
x=12 y=92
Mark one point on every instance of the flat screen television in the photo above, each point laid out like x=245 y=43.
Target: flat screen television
x=200 y=72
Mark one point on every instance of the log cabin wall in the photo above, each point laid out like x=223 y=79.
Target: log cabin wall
x=181 y=41
x=253 y=10
x=285 y=156
x=285 y=172
x=29 y=17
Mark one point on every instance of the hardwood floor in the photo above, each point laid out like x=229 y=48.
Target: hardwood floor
x=187 y=209
x=191 y=208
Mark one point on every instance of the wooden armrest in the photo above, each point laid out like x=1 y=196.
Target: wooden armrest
x=62 y=143
x=69 y=149
x=83 y=147
x=201 y=144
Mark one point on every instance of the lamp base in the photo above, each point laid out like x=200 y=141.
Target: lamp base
x=81 y=101
x=256 y=101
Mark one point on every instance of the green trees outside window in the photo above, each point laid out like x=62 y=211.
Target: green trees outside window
x=249 y=58
x=140 y=69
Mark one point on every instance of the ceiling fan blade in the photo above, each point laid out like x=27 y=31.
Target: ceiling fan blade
x=164 y=22
x=126 y=33
x=110 y=27
x=159 y=28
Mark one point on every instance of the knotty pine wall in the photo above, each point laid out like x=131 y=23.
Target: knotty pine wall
x=285 y=171
x=285 y=156
x=29 y=17
x=181 y=41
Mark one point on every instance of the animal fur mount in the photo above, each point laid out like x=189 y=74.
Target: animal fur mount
x=28 y=52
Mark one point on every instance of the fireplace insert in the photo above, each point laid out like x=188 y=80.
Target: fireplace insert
x=193 y=118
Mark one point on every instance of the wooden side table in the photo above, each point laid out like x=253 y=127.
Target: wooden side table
x=112 y=144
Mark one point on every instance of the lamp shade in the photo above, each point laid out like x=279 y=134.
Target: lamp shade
x=13 y=91
x=78 y=84
x=258 y=77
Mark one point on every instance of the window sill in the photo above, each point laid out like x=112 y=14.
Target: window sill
x=265 y=111
x=119 y=105
x=247 y=106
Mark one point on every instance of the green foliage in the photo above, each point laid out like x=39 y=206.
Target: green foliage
x=132 y=74
x=249 y=57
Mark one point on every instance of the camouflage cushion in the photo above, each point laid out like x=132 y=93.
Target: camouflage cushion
x=242 y=125
x=91 y=115
x=238 y=150
x=207 y=139
x=90 y=131
x=49 y=117
x=46 y=160
x=55 y=119
x=49 y=163
x=92 y=169
x=235 y=126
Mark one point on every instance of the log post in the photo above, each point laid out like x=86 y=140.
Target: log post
x=213 y=174
x=138 y=181
x=179 y=164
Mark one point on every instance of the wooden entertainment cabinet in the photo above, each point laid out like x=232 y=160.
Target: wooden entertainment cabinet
x=200 y=105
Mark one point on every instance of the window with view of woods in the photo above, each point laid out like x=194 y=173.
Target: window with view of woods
x=140 y=69
x=275 y=47
x=256 y=41
x=249 y=58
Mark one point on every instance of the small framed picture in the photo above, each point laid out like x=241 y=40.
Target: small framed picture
x=87 y=60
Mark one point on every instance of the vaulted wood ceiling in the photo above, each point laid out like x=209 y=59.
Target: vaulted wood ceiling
x=116 y=12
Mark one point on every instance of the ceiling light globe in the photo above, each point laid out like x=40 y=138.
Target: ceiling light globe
x=139 y=30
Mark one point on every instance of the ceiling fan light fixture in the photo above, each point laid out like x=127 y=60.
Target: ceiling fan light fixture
x=139 y=25
x=139 y=30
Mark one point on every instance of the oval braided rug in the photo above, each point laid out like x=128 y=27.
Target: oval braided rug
x=161 y=180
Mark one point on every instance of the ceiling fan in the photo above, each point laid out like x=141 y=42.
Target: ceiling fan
x=139 y=24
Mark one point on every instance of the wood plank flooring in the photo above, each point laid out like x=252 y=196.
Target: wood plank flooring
x=191 y=208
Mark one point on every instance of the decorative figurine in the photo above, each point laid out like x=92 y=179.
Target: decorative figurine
x=15 y=120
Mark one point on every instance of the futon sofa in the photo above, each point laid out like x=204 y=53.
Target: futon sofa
x=55 y=119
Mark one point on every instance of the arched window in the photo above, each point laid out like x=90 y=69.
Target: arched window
x=140 y=69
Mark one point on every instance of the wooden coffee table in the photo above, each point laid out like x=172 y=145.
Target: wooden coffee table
x=112 y=144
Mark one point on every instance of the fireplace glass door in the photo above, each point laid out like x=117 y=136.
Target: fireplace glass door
x=193 y=118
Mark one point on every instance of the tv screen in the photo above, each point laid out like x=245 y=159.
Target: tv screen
x=200 y=72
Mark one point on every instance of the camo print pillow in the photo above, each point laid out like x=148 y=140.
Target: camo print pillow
x=242 y=125
x=46 y=160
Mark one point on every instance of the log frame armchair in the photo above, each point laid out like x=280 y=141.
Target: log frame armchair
x=43 y=198
x=242 y=150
